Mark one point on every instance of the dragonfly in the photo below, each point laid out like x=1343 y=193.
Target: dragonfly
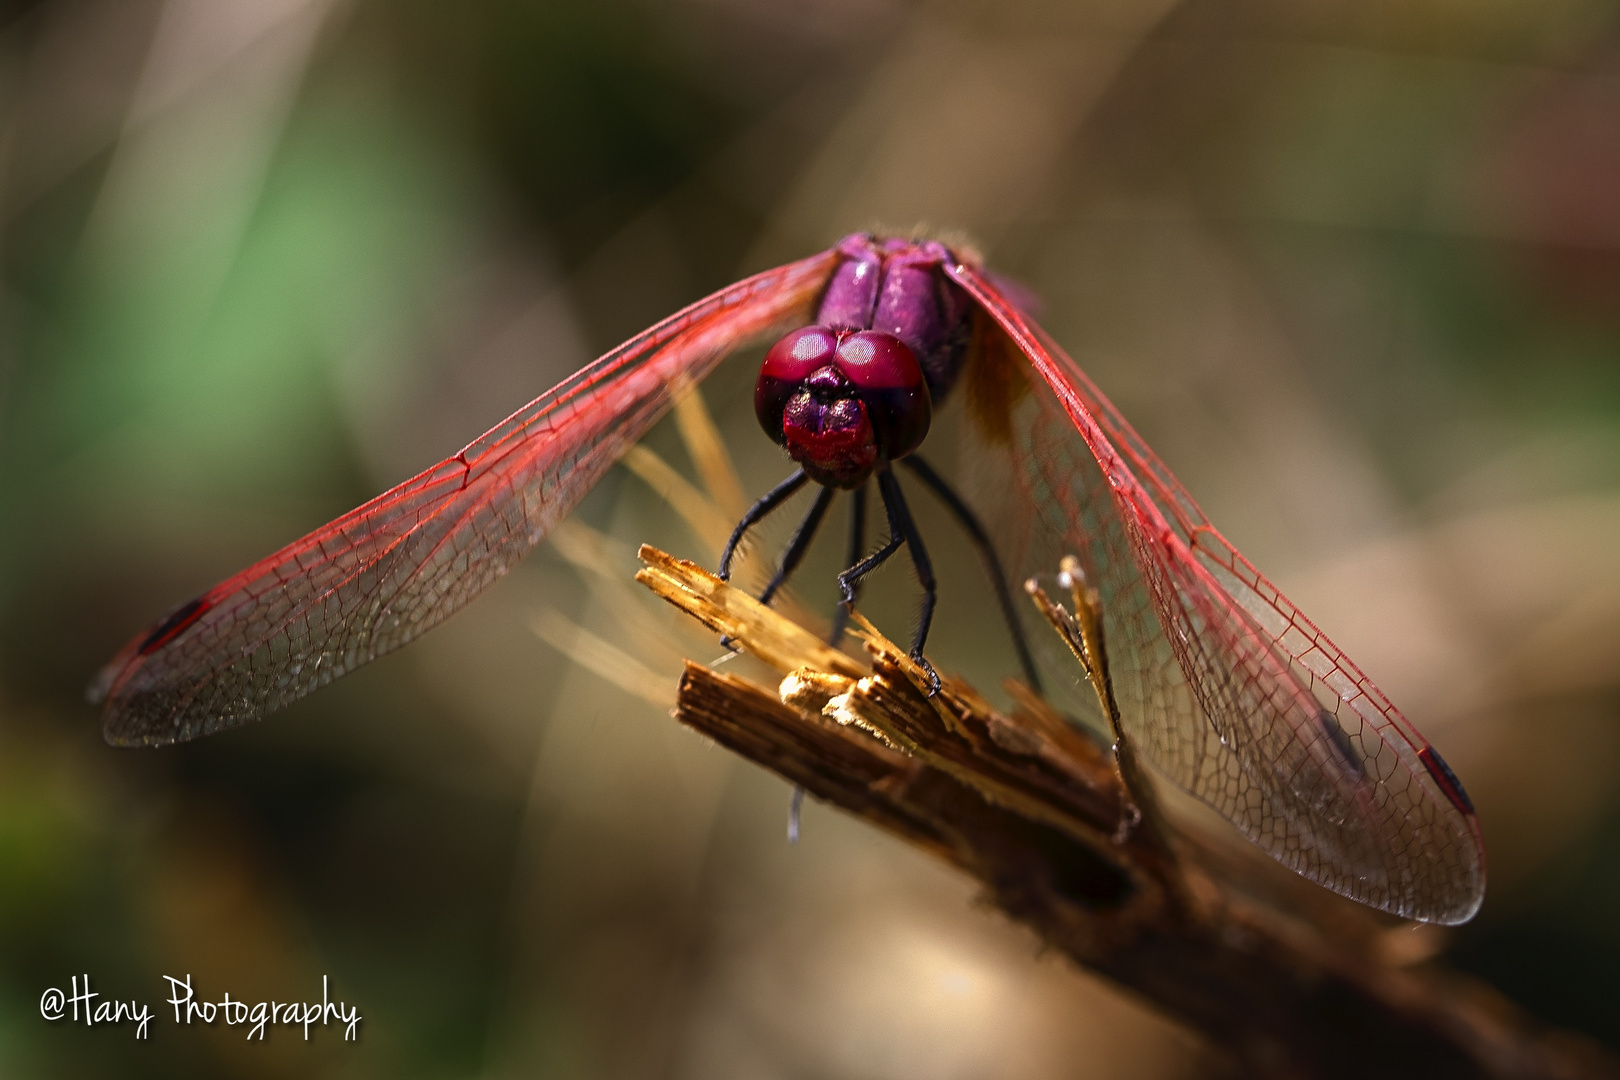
x=1223 y=685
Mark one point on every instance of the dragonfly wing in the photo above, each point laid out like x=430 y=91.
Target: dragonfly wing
x=385 y=572
x=1224 y=684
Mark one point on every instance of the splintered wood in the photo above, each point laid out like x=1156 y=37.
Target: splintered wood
x=734 y=614
x=1033 y=762
x=1035 y=809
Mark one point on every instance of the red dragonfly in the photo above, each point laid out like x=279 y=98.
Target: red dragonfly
x=1223 y=684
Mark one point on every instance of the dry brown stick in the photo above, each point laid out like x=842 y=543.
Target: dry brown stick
x=1032 y=808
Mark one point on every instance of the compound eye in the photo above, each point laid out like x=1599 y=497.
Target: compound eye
x=792 y=360
x=886 y=375
x=875 y=360
x=799 y=353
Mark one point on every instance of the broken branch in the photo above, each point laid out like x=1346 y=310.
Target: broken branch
x=1035 y=810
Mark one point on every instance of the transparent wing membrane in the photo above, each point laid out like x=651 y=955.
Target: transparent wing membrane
x=1223 y=684
x=385 y=572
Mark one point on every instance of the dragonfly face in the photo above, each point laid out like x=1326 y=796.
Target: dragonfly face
x=857 y=388
x=842 y=401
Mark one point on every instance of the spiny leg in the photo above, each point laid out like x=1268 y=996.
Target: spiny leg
x=849 y=582
x=857 y=545
x=901 y=524
x=857 y=542
x=790 y=560
x=987 y=555
x=795 y=807
x=800 y=543
x=767 y=502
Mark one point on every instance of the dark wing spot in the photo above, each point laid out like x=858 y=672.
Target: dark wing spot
x=1446 y=779
x=172 y=627
x=1341 y=742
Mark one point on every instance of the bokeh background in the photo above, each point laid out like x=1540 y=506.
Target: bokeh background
x=1352 y=267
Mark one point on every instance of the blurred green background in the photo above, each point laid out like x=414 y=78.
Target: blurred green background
x=1352 y=267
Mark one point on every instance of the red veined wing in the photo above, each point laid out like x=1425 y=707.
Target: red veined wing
x=383 y=573
x=1224 y=685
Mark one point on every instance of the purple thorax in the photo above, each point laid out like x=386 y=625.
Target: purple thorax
x=896 y=286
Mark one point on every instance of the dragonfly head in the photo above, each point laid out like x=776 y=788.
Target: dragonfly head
x=842 y=401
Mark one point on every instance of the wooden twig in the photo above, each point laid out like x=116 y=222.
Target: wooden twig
x=1036 y=811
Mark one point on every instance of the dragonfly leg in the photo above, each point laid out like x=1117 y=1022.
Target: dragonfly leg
x=849 y=582
x=800 y=543
x=987 y=555
x=857 y=545
x=901 y=525
x=795 y=807
x=767 y=502
x=790 y=560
